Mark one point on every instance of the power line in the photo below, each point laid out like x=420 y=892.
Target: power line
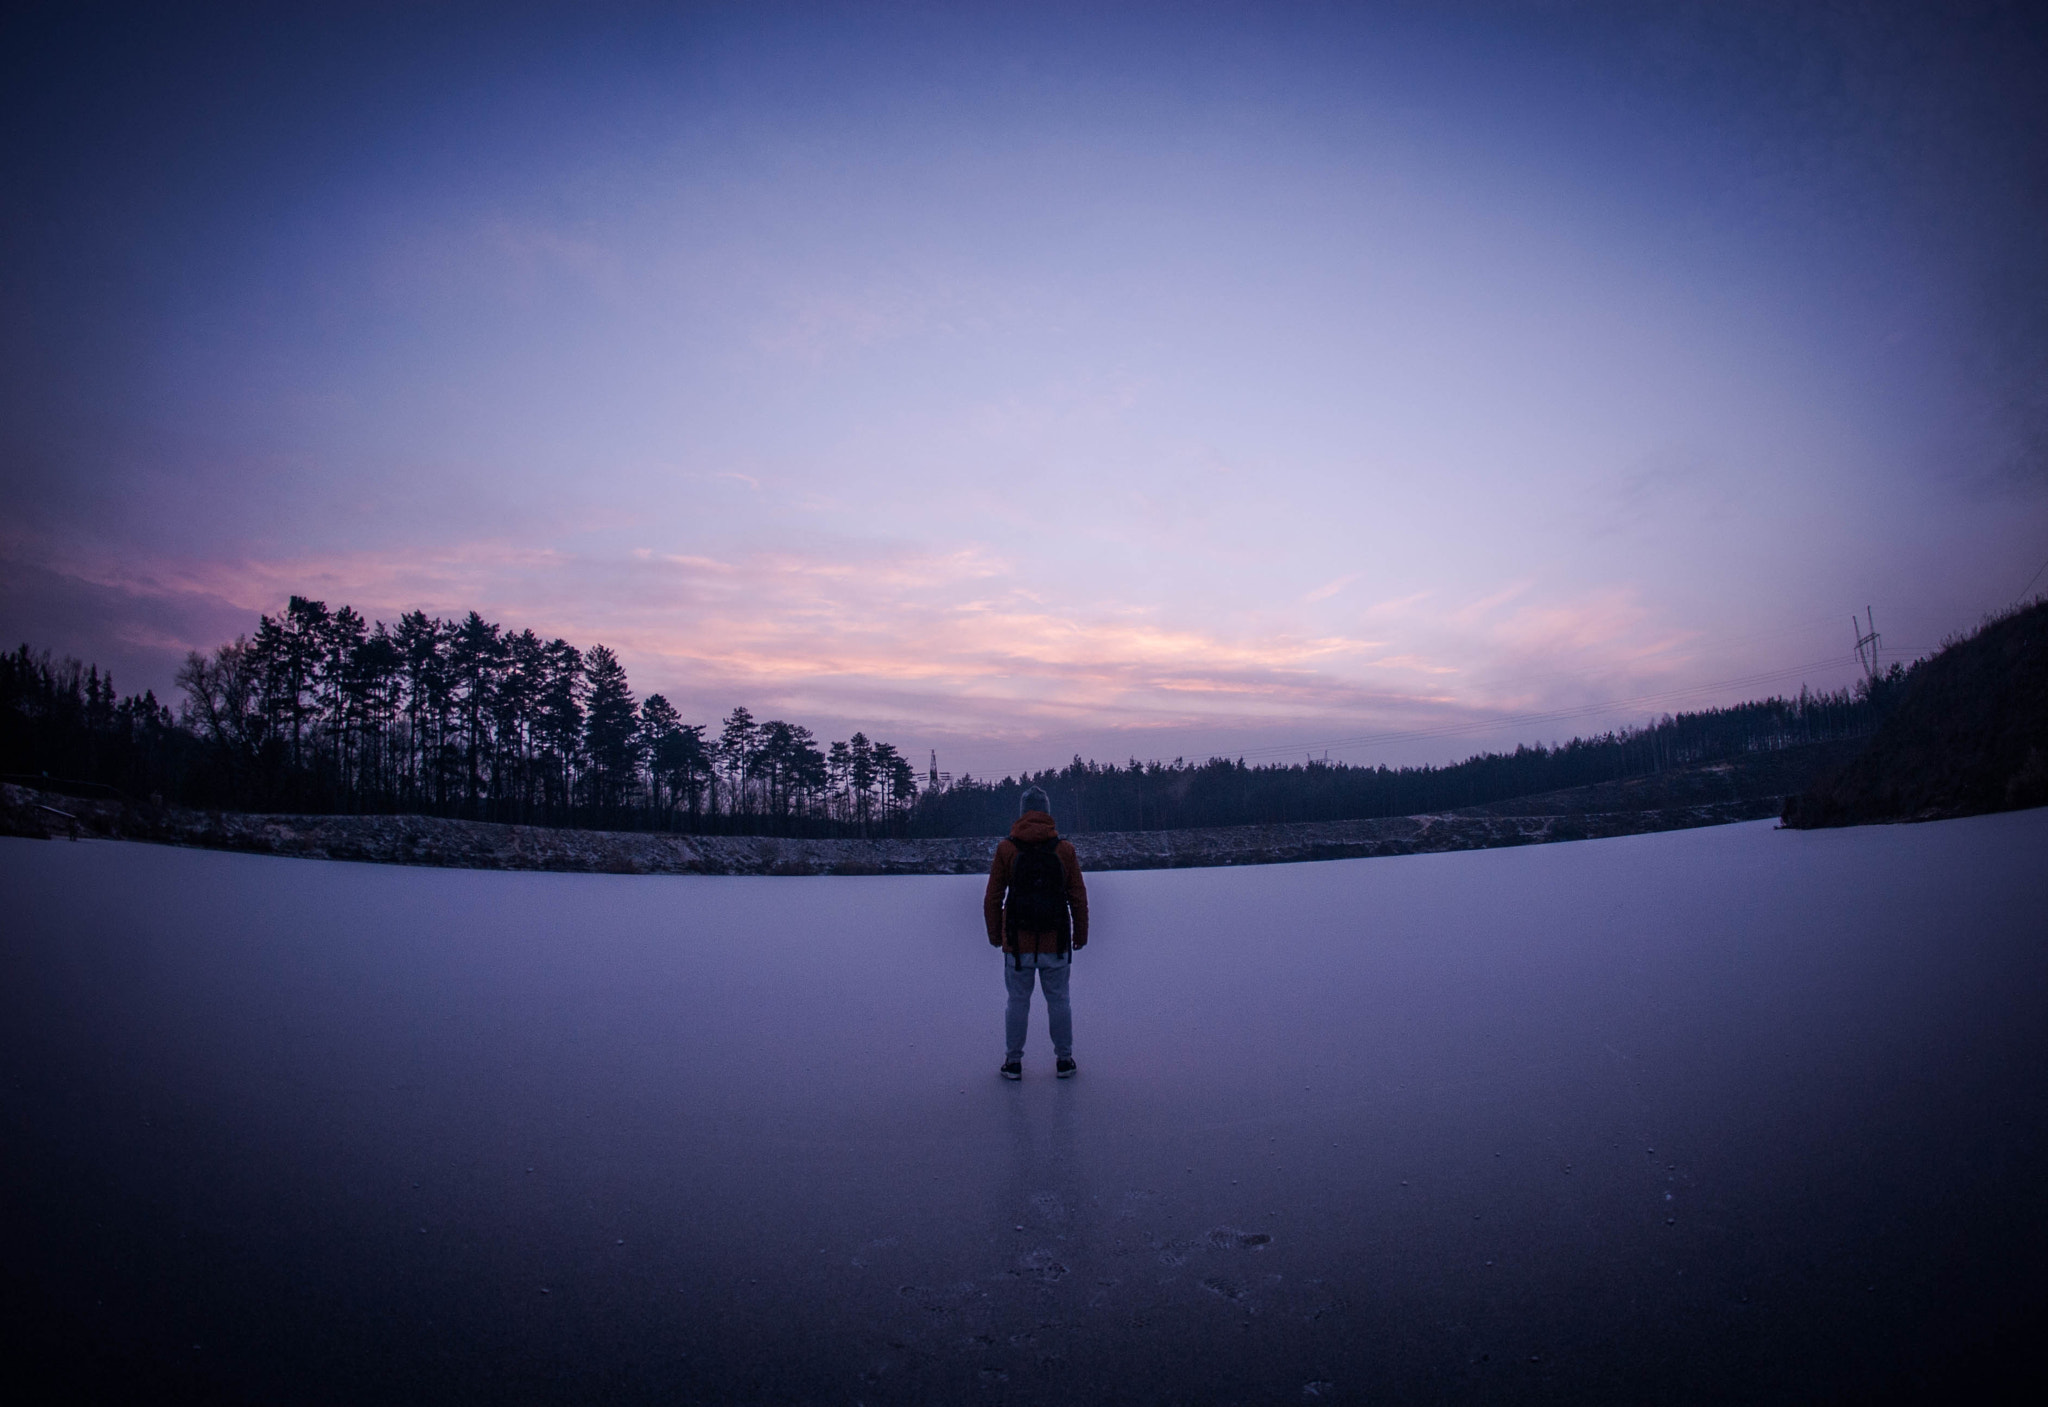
x=1869 y=639
x=2030 y=583
x=1156 y=735
x=1518 y=720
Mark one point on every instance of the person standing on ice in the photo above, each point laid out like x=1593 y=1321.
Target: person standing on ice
x=1036 y=908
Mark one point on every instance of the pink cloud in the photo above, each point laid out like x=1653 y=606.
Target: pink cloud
x=961 y=642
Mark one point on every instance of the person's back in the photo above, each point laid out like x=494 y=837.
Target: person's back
x=1036 y=910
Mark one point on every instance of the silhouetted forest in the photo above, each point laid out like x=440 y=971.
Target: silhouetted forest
x=1093 y=796
x=1969 y=736
x=320 y=711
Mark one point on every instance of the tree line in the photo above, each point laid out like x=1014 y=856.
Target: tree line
x=1095 y=796
x=319 y=710
x=322 y=711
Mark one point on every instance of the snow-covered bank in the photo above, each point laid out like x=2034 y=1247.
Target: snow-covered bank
x=436 y=841
x=1737 y=1114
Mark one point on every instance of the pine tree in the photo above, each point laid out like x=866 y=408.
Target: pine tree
x=476 y=657
x=611 y=729
x=661 y=728
x=736 y=746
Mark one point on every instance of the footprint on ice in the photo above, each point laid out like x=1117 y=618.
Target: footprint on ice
x=1228 y=1289
x=1040 y=1265
x=1229 y=1238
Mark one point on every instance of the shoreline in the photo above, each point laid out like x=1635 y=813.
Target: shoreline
x=440 y=842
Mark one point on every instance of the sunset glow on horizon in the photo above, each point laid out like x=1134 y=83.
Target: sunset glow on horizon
x=1019 y=382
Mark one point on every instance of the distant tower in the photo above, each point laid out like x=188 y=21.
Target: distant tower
x=1866 y=644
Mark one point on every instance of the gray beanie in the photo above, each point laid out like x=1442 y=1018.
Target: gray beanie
x=1035 y=799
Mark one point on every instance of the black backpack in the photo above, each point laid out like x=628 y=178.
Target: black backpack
x=1038 y=891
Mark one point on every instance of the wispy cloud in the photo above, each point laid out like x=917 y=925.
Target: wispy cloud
x=958 y=642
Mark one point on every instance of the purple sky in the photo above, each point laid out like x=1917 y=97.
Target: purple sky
x=1022 y=381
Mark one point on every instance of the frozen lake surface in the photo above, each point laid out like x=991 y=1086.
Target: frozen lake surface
x=1721 y=1115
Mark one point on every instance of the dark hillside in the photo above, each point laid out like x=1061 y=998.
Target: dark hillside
x=1758 y=778
x=1970 y=735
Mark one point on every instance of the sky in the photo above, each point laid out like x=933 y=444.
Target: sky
x=1017 y=382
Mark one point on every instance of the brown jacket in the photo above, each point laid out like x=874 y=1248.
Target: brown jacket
x=1033 y=827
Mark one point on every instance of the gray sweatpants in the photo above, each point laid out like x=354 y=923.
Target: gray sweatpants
x=1051 y=970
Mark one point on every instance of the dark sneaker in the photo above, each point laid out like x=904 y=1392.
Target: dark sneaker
x=1014 y=1069
x=1065 y=1067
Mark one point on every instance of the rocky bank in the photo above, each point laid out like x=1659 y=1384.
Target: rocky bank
x=428 y=840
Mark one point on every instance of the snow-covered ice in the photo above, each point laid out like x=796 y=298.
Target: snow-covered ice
x=1733 y=1114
